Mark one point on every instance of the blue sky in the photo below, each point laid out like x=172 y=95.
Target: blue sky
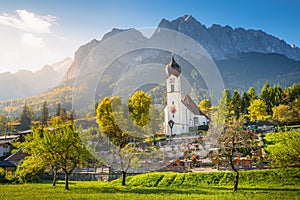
x=34 y=33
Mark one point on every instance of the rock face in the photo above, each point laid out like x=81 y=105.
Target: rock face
x=25 y=83
x=221 y=41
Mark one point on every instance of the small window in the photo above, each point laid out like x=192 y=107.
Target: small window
x=196 y=121
x=172 y=88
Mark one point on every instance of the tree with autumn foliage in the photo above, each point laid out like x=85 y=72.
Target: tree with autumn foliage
x=120 y=130
x=233 y=137
x=258 y=110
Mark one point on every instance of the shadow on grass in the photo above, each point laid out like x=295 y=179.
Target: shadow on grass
x=185 y=190
x=145 y=190
x=270 y=189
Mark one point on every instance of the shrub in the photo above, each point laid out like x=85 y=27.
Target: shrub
x=2 y=173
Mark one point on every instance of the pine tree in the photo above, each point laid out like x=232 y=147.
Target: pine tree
x=266 y=95
x=245 y=103
x=3 y=123
x=58 y=108
x=236 y=104
x=44 y=114
x=25 y=118
x=252 y=94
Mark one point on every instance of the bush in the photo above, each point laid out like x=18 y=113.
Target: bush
x=28 y=171
x=286 y=176
x=2 y=173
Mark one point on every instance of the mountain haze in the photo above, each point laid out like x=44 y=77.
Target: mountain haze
x=25 y=83
x=244 y=58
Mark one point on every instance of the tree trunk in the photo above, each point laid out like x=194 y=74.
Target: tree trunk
x=66 y=181
x=54 y=176
x=123 y=178
x=236 y=179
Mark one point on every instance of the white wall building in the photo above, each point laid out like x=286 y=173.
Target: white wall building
x=180 y=111
x=4 y=148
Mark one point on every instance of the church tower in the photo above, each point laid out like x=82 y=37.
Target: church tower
x=172 y=111
x=182 y=115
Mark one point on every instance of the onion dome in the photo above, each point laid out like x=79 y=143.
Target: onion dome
x=173 y=67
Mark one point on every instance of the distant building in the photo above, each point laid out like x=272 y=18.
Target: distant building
x=10 y=163
x=181 y=113
x=4 y=148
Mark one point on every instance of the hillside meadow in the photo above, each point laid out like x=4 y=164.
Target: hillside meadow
x=263 y=184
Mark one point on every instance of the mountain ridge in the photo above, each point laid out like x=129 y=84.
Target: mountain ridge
x=24 y=83
x=241 y=65
x=222 y=40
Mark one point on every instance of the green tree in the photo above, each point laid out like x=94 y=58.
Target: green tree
x=245 y=103
x=257 y=110
x=252 y=94
x=119 y=130
x=57 y=147
x=155 y=123
x=267 y=95
x=287 y=114
x=278 y=95
x=236 y=104
x=44 y=114
x=229 y=108
x=233 y=138
x=109 y=112
x=293 y=92
x=285 y=150
x=3 y=124
x=58 y=108
x=221 y=116
x=110 y=117
x=25 y=118
x=139 y=105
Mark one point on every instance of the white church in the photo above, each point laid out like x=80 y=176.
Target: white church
x=181 y=113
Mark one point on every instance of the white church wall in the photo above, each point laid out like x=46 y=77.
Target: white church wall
x=202 y=119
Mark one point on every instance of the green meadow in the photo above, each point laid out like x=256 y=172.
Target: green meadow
x=262 y=184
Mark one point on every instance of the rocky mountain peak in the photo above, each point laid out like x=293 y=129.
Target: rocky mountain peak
x=221 y=41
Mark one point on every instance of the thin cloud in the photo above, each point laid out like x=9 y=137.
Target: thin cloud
x=29 y=39
x=28 y=21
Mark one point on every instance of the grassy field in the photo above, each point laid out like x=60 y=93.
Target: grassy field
x=271 y=184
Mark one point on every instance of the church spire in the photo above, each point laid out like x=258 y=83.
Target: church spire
x=173 y=67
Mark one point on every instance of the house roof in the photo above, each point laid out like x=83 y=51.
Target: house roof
x=17 y=156
x=24 y=132
x=8 y=137
x=190 y=104
x=6 y=163
x=5 y=142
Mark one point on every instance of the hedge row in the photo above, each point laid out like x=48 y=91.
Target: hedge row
x=288 y=176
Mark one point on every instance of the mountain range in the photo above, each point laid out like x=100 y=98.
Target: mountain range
x=26 y=83
x=244 y=58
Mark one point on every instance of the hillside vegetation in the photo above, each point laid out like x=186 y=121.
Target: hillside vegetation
x=289 y=176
